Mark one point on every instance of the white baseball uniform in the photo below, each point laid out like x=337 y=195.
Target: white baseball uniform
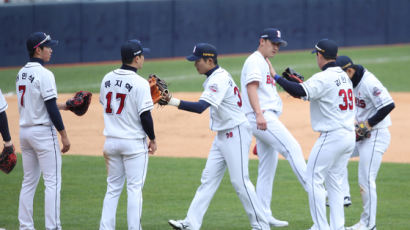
x=371 y=96
x=3 y=103
x=276 y=138
x=124 y=96
x=229 y=150
x=39 y=144
x=331 y=98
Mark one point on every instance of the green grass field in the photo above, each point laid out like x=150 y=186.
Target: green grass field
x=389 y=63
x=171 y=184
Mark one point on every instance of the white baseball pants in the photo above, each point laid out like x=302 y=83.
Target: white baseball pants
x=327 y=162
x=125 y=159
x=269 y=142
x=370 y=151
x=230 y=150
x=40 y=154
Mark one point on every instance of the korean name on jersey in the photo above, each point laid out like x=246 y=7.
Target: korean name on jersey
x=125 y=96
x=330 y=93
x=34 y=85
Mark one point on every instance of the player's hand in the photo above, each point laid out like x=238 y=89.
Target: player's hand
x=261 y=122
x=271 y=69
x=65 y=141
x=152 y=146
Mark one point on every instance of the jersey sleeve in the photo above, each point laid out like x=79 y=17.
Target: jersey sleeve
x=215 y=90
x=143 y=98
x=253 y=72
x=377 y=93
x=314 y=87
x=3 y=102
x=48 y=87
x=102 y=91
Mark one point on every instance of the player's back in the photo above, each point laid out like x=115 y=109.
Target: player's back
x=224 y=96
x=34 y=85
x=330 y=93
x=124 y=96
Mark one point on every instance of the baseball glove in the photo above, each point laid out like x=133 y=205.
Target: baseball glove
x=79 y=103
x=159 y=90
x=362 y=131
x=8 y=159
x=292 y=75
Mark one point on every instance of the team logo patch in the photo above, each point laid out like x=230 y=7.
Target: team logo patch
x=214 y=88
x=376 y=91
x=278 y=34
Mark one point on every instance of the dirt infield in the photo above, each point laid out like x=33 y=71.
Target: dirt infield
x=183 y=134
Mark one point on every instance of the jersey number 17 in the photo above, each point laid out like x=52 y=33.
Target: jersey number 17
x=119 y=96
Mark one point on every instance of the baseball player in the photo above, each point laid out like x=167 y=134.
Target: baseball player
x=39 y=118
x=330 y=93
x=373 y=106
x=263 y=106
x=127 y=104
x=4 y=125
x=231 y=144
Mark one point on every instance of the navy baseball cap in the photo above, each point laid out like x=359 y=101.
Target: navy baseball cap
x=132 y=48
x=274 y=35
x=328 y=48
x=202 y=50
x=344 y=62
x=39 y=39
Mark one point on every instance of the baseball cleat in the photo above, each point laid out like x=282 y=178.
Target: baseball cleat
x=277 y=223
x=360 y=226
x=179 y=224
x=347 y=201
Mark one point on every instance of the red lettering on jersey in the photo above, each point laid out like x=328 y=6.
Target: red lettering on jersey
x=229 y=135
x=270 y=80
x=360 y=103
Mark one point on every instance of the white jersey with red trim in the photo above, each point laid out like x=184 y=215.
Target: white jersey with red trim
x=371 y=96
x=34 y=85
x=330 y=93
x=3 y=103
x=257 y=69
x=125 y=96
x=224 y=96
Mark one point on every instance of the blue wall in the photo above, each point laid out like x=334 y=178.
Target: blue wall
x=94 y=31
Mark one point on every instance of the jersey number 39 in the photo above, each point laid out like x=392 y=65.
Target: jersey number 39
x=347 y=99
x=118 y=96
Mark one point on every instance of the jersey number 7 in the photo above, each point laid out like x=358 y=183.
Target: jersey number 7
x=120 y=96
x=22 y=88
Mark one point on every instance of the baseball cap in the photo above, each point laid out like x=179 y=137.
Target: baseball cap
x=344 y=62
x=202 y=50
x=39 y=39
x=273 y=35
x=328 y=48
x=132 y=48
